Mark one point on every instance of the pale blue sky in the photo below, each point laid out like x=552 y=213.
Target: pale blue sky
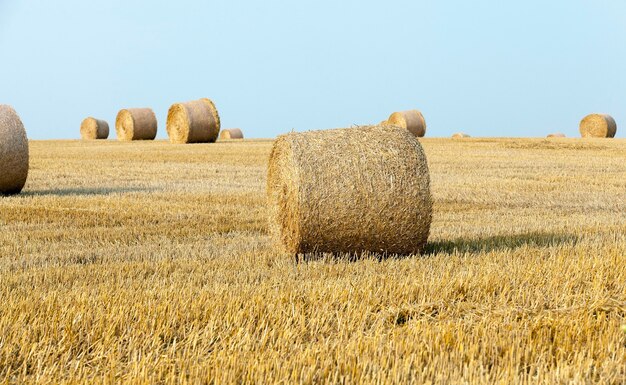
x=485 y=67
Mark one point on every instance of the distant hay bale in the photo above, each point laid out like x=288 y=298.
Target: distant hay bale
x=349 y=190
x=193 y=122
x=460 y=135
x=598 y=126
x=13 y=152
x=231 y=133
x=136 y=124
x=556 y=135
x=412 y=120
x=92 y=128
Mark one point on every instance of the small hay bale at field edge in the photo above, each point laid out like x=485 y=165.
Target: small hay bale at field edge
x=598 y=126
x=349 y=191
x=92 y=128
x=136 y=124
x=231 y=133
x=412 y=120
x=196 y=121
x=13 y=152
x=556 y=135
x=460 y=135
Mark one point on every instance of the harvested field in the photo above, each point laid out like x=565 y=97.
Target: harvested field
x=154 y=265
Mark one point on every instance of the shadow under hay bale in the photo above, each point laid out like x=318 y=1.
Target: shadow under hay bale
x=499 y=242
x=14 y=156
x=193 y=122
x=92 y=128
x=88 y=191
x=598 y=126
x=136 y=124
x=349 y=191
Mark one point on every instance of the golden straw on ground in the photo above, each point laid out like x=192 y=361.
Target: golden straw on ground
x=92 y=128
x=13 y=152
x=136 y=124
x=193 y=122
x=349 y=190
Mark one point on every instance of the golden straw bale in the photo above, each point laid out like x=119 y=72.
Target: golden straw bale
x=460 y=135
x=231 y=133
x=13 y=152
x=349 y=190
x=412 y=120
x=556 y=135
x=136 y=124
x=598 y=126
x=193 y=122
x=92 y=128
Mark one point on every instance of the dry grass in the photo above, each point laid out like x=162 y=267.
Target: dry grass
x=129 y=270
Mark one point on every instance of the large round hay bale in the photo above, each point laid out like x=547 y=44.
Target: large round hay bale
x=412 y=120
x=193 y=122
x=92 y=128
x=459 y=135
x=136 y=124
x=556 y=135
x=349 y=190
x=231 y=133
x=598 y=126
x=13 y=152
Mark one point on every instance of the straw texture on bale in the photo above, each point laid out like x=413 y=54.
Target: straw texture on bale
x=556 y=135
x=349 y=191
x=460 y=135
x=92 y=128
x=193 y=122
x=412 y=120
x=13 y=152
x=231 y=133
x=598 y=126
x=136 y=124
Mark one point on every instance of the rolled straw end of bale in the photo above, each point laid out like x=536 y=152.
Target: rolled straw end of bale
x=598 y=126
x=13 y=152
x=459 y=135
x=92 y=128
x=231 y=133
x=349 y=191
x=412 y=120
x=136 y=124
x=556 y=135
x=196 y=121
